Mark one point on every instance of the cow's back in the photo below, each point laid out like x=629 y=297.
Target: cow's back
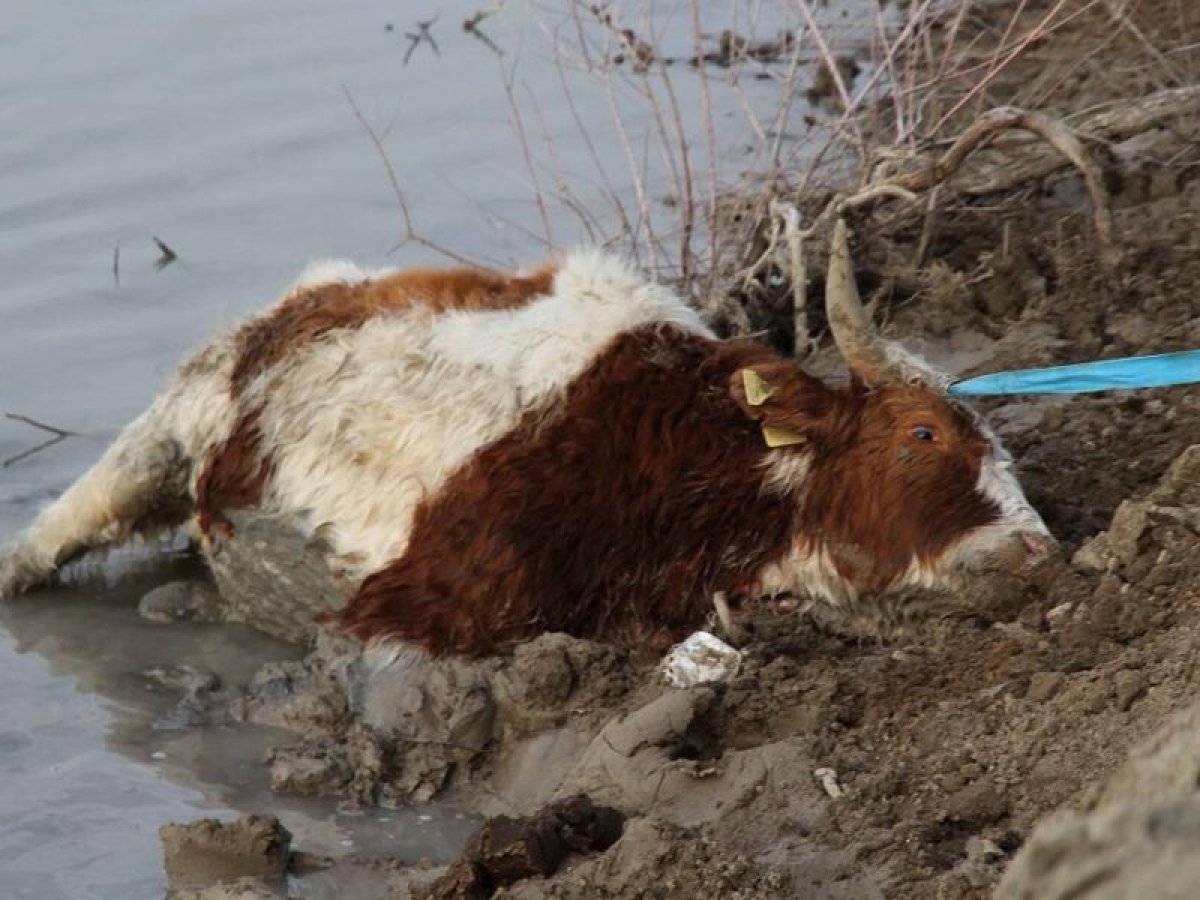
x=348 y=424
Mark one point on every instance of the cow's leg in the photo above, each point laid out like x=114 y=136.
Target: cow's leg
x=140 y=484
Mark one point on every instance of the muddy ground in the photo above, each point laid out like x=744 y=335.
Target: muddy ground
x=948 y=739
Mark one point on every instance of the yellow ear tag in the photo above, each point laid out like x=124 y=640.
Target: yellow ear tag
x=778 y=437
x=758 y=389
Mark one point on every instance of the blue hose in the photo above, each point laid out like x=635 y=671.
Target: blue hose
x=1106 y=375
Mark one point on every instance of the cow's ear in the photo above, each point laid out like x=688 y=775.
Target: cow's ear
x=788 y=404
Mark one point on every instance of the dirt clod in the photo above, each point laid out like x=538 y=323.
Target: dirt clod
x=209 y=851
x=507 y=850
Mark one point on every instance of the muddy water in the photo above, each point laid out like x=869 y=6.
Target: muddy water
x=224 y=129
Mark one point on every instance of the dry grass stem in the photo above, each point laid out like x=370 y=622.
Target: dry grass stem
x=410 y=234
x=58 y=435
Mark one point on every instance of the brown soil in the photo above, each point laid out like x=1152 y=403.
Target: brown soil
x=950 y=738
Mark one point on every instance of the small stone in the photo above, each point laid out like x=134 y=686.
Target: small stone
x=178 y=601
x=1129 y=686
x=1094 y=555
x=1181 y=485
x=1094 y=699
x=1044 y=685
x=1129 y=523
x=979 y=804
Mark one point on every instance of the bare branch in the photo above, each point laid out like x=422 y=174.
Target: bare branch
x=59 y=435
x=1005 y=118
x=518 y=123
x=57 y=432
x=166 y=255
x=410 y=234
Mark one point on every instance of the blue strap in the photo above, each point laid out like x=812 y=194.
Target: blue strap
x=1105 y=375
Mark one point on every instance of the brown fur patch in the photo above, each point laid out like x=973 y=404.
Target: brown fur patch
x=878 y=497
x=624 y=508
x=311 y=312
x=620 y=511
x=234 y=475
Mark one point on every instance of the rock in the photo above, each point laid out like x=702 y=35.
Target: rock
x=1044 y=685
x=1129 y=523
x=1180 y=485
x=1140 y=838
x=210 y=851
x=1094 y=555
x=273 y=577
x=1129 y=685
x=977 y=804
x=1175 y=498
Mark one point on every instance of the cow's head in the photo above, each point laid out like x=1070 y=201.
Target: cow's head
x=898 y=484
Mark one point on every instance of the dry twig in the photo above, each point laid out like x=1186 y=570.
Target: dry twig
x=59 y=435
x=410 y=232
x=165 y=258
x=471 y=26
x=991 y=123
x=421 y=36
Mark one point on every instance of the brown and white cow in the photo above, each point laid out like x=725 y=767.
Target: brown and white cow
x=489 y=457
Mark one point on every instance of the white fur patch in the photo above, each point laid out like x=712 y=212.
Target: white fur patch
x=364 y=424
x=808 y=571
x=543 y=345
x=787 y=470
x=913 y=369
x=335 y=271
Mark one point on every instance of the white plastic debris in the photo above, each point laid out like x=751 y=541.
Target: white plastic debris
x=701 y=658
x=829 y=781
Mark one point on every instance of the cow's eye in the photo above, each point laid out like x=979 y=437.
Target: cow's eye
x=924 y=433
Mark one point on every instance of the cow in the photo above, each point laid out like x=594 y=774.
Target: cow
x=489 y=456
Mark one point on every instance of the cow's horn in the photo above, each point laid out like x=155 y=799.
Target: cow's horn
x=852 y=329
